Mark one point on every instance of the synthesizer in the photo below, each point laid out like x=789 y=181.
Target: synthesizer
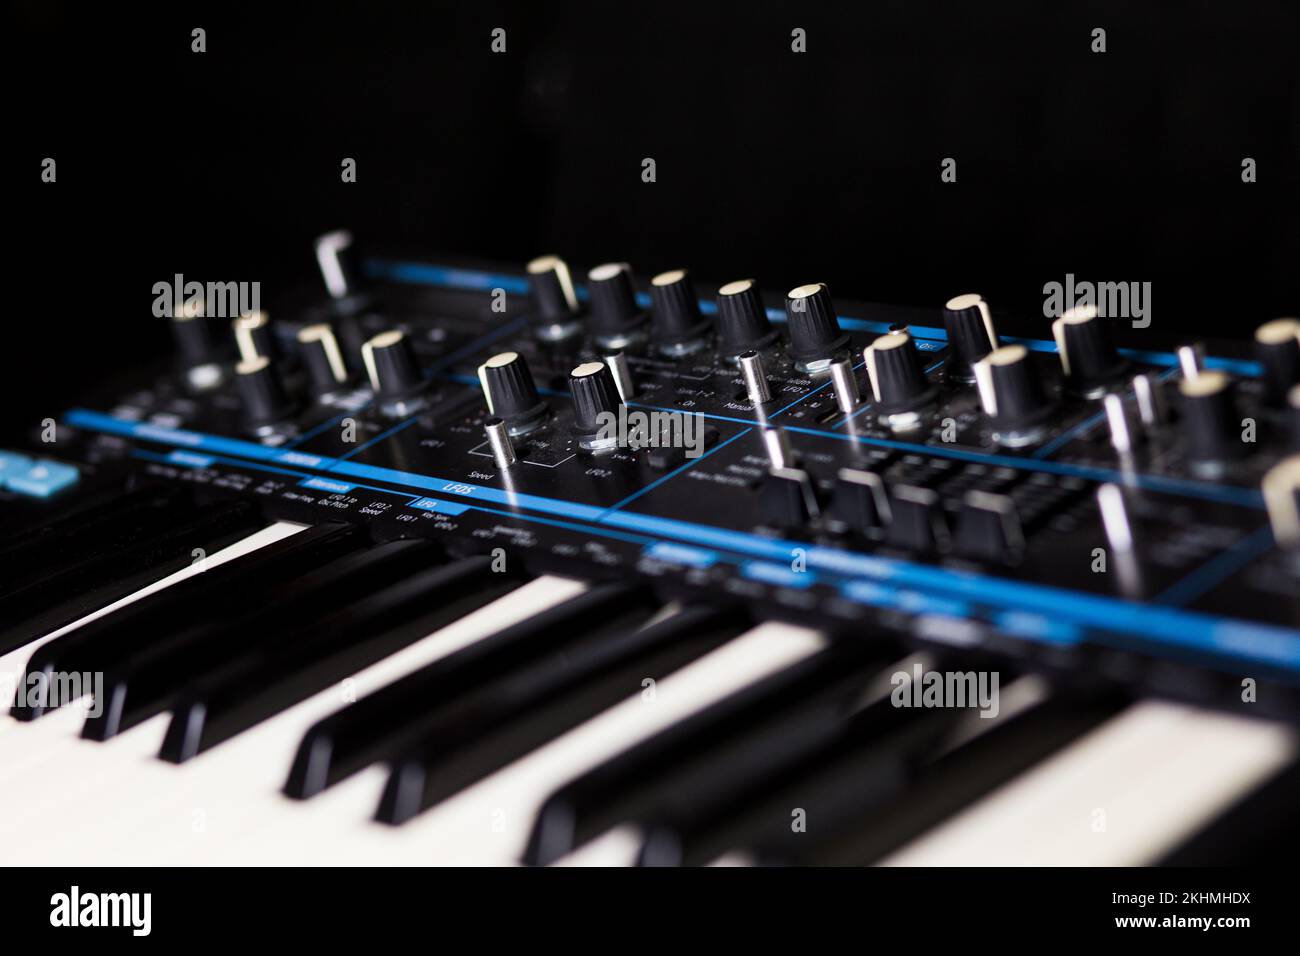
x=494 y=565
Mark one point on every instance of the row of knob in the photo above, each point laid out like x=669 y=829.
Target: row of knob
x=1010 y=392
x=388 y=361
x=988 y=526
x=675 y=324
x=1010 y=395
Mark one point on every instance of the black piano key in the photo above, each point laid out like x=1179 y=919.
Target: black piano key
x=268 y=679
x=69 y=518
x=505 y=719
x=385 y=722
x=681 y=830
x=812 y=696
x=31 y=519
x=853 y=820
x=146 y=683
x=107 y=641
x=87 y=509
x=29 y=558
x=74 y=590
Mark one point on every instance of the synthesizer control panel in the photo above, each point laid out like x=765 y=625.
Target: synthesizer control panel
x=1065 y=500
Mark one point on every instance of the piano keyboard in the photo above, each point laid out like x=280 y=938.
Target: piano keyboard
x=564 y=723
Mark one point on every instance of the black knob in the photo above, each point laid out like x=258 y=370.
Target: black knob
x=1281 y=488
x=1211 y=426
x=318 y=348
x=1010 y=391
x=616 y=319
x=742 y=320
x=859 y=502
x=555 y=302
x=917 y=521
x=988 y=528
x=263 y=394
x=1293 y=412
x=894 y=369
x=340 y=264
x=815 y=333
x=677 y=324
x=1088 y=355
x=254 y=336
x=595 y=397
x=787 y=499
x=1277 y=345
x=192 y=333
x=391 y=365
x=971 y=335
x=510 y=392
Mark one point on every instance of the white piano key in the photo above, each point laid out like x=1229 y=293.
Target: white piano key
x=1121 y=796
x=161 y=812
x=734 y=858
x=615 y=847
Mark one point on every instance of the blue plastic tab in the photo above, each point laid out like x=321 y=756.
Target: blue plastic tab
x=324 y=484
x=1038 y=627
x=442 y=507
x=682 y=554
x=12 y=463
x=42 y=479
x=778 y=574
x=190 y=460
x=915 y=602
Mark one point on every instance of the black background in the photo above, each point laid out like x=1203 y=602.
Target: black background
x=1122 y=166
x=724 y=910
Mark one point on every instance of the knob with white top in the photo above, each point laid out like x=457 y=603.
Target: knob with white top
x=1281 y=488
x=815 y=333
x=616 y=319
x=971 y=335
x=391 y=366
x=555 y=308
x=319 y=352
x=676 y=322
x=199 y=356
x=1011 y=394
x=510 y=392
x=1277 y=346
x=742 y=321
x=1211 y=427
x=254 y=336
x=1293 y=413
x=263 y=395
x=898 y=381
x=595 y=399
x=1088 y=356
